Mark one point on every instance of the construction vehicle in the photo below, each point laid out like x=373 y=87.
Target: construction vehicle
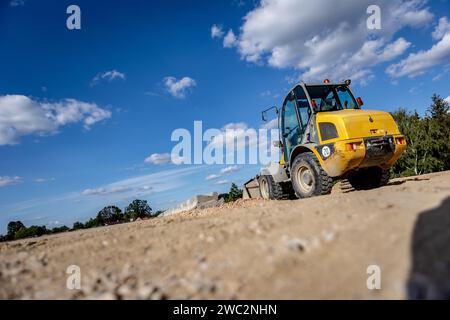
x=325 y=135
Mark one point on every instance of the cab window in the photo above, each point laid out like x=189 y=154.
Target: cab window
x=290 y=125
x=303 y=107
x=346 y=99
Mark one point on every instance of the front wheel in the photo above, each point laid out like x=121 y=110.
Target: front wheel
x=308 y=177
x=269 y=189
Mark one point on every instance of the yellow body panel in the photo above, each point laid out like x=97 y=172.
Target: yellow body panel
x=353 y=126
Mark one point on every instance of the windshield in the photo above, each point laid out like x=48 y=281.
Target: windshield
x=332 y=98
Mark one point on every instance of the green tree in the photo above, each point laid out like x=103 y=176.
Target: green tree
x=60 y=229
x=110 y=214
x=33 y=231
x=234 y=194
x=92 y=223
x=428 y=139
x=77 y=225
x=138 y=209
x=438 y=118
x=13 y=227
x=415 y=130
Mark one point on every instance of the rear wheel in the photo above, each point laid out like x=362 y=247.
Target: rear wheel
x=269 y=189
x=369 y=178
x=308 y=177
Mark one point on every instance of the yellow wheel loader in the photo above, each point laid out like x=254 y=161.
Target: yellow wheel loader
x=324 y=136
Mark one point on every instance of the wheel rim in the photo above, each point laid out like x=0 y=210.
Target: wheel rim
x=264 y=188
x=305 y=179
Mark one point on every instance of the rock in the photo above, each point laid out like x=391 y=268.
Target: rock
x=296 y=244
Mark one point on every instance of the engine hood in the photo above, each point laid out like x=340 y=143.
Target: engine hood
x=353 y=124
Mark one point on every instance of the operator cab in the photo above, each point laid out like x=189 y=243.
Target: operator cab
x=302 y=104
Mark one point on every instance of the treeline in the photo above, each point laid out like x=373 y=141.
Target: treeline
x=428 y=139
x=138 y=209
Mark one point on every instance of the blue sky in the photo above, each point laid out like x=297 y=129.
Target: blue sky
x=82 y=110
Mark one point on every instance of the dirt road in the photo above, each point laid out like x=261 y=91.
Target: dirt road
x=312 y=248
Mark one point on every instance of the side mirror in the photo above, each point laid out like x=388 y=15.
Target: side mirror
x=264 y=113
x=359 y=102
x=264 y=116
x=277 y=144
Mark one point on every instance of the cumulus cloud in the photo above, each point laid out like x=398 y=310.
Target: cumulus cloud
x=7 y=181
x=179 y=88
x=107 y=76
x=230 y=39
x=418 y=63
x=216 y=31
x=162 y=158
x=333 y=43
x=442 y=29
x=447 y=99
x=158 y=158
x=21 y=116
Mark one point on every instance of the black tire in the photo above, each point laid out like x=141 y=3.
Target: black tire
x=274 y=190
x=369 y=178
x=308 y=177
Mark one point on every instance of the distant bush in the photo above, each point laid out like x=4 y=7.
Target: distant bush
x=234 y=194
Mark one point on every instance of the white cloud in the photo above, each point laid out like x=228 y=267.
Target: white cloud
x=216 y=31
x=8 y=181
x=229 y=169
x=223 y=171
x=105 y=191
x=158 y=158
x=234 y=136
x=230 y=39
x=162 y=158
x=179 y=88
x=272 y=124
x=21 y=116
x=418 y=63
x=141 y=185
x=442 y=29
x=221 y=182
x=447 y=99
x=108 y=76
x=212 y=177
x=17 y=3
x=334 y=43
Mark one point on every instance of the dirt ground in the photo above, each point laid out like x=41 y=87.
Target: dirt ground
x=303 y=249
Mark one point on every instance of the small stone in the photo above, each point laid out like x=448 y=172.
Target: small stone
x=297 y=244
